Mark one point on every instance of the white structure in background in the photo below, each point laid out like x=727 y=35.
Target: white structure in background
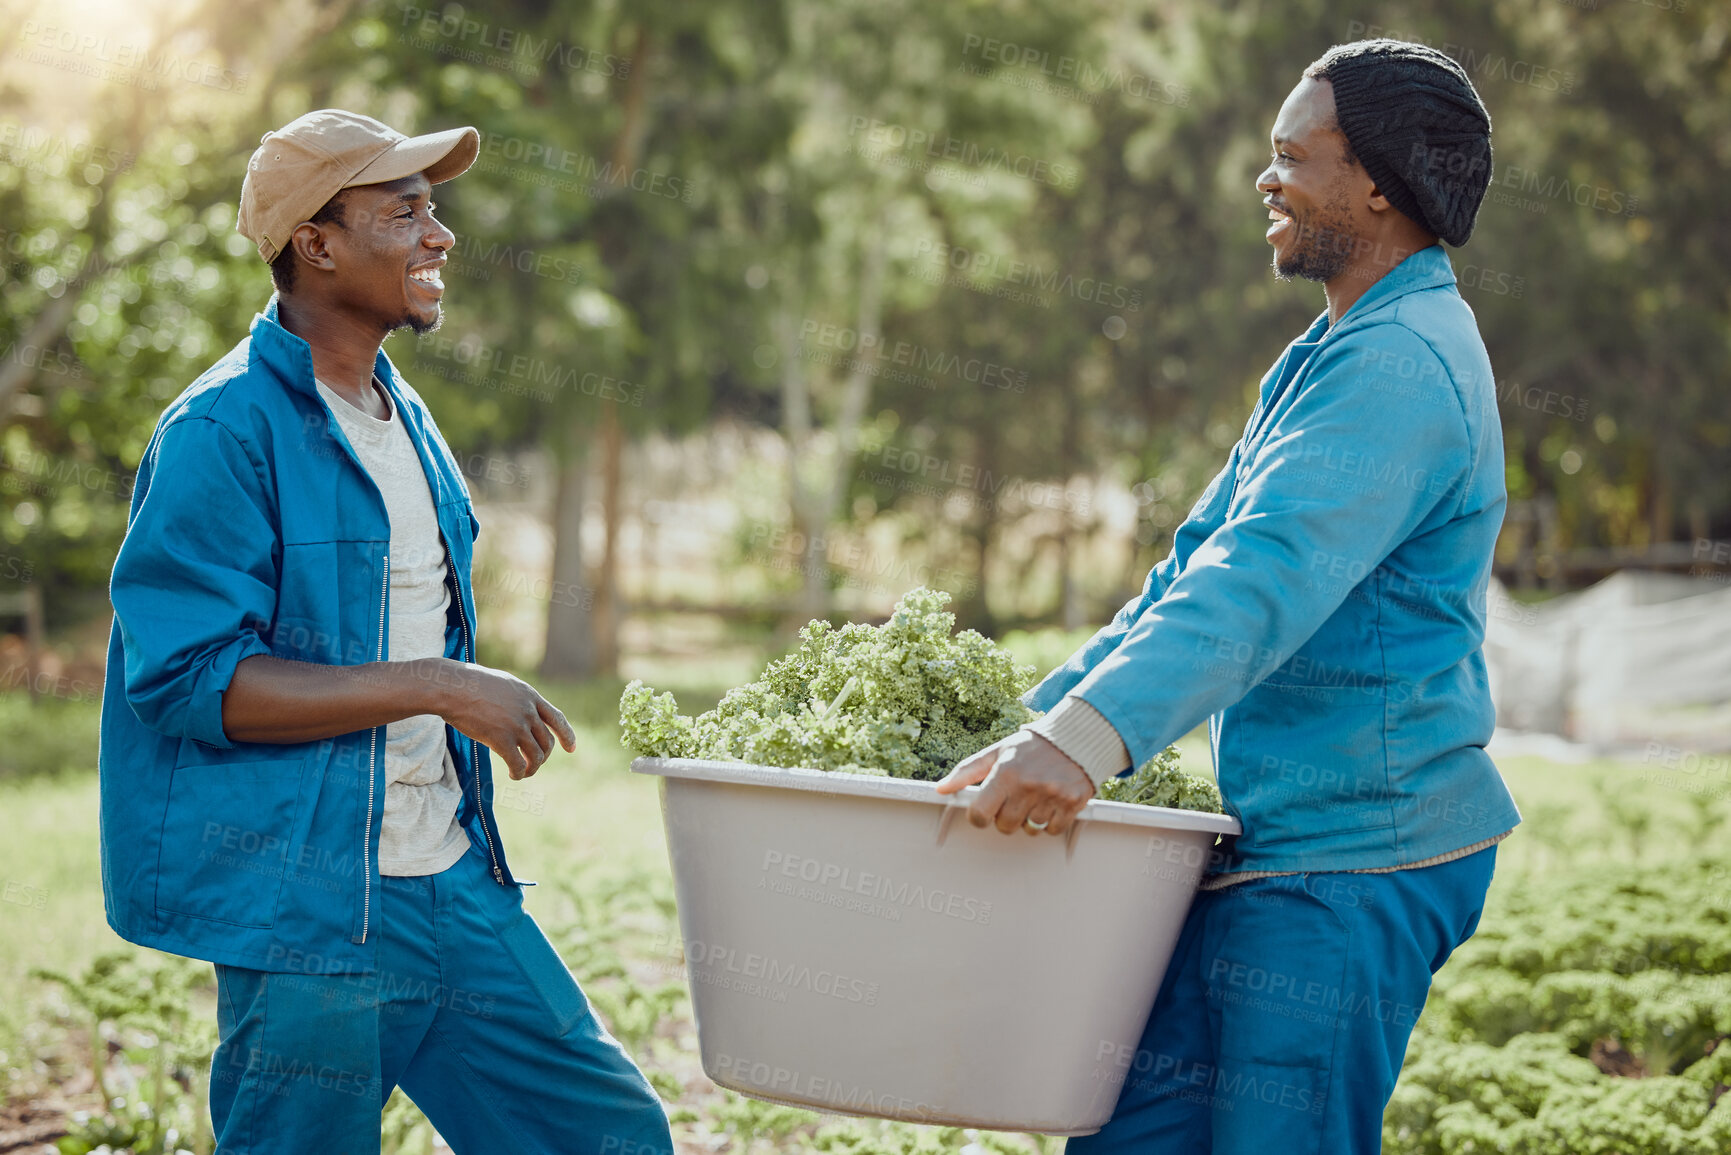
x=1640 y=657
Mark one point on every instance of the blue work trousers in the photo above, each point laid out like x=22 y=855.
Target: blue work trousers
x=1284 y=1016
x=471 y=1012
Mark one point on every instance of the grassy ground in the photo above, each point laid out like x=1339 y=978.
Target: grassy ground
x=585 y=821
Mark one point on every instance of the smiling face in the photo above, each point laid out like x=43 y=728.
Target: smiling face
x=382 y=262
x=1314 y=188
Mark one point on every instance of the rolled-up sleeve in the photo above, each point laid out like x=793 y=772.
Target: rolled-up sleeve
x=1346 y=474
x=195 y=582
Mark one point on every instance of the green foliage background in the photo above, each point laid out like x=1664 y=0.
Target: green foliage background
x=674 y=197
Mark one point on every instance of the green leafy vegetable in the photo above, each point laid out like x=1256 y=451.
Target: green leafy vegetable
x=1159 y=782
x=907 y=699
x=1588 y=1016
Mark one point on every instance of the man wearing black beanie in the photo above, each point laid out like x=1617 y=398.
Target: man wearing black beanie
x=1406 y=146
x=1323 y=608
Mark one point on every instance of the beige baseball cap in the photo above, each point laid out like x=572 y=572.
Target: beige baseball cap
x=307 y=161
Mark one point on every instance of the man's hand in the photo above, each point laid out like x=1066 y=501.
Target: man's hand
x=1030 y=783
x=503 y=712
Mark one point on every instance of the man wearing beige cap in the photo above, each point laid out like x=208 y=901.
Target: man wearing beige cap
x=295 y=767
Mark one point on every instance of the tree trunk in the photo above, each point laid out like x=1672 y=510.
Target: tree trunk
x=1664 y=498
x=815 y=492
x=609 y=602
x=804 y=505
x=973 y=612
x=1070 y=612
x=1069 y=594
x=583 y=639
x=570 y=648
x=46 y=330
x=972 y=609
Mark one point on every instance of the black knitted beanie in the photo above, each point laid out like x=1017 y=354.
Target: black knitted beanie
x=1418 y=127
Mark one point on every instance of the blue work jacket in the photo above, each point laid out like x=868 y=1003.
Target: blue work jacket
x=1323 y=606
x=254 y=529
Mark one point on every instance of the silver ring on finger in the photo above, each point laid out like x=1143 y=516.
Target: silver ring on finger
x=1032 y=825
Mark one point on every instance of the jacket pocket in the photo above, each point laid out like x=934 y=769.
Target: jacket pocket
x=225 y=840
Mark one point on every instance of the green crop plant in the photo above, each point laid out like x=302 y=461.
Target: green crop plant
x=144 y=1012
x=1159 y=782
x=907 y=699
x=1590 y=1015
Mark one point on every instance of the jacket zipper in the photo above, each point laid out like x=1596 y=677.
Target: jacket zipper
x=373 y=771
x=474 y=758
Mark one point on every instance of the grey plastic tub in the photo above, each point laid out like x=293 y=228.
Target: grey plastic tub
x=855 y=946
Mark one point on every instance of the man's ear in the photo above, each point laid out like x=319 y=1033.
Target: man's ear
x=312 y=246
x=1376 y=202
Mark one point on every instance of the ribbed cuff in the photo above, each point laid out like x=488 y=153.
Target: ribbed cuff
x=1085 y=737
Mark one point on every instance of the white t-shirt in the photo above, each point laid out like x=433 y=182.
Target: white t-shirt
x=419 y=833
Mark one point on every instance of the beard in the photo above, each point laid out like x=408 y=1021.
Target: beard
x=1324 y=245
x=417 y=325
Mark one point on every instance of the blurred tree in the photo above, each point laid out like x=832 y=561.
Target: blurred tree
x=815 y=215
x=121 y=277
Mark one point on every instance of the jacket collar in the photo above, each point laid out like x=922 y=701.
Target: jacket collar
x=1428 y=268
x=291 y=358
